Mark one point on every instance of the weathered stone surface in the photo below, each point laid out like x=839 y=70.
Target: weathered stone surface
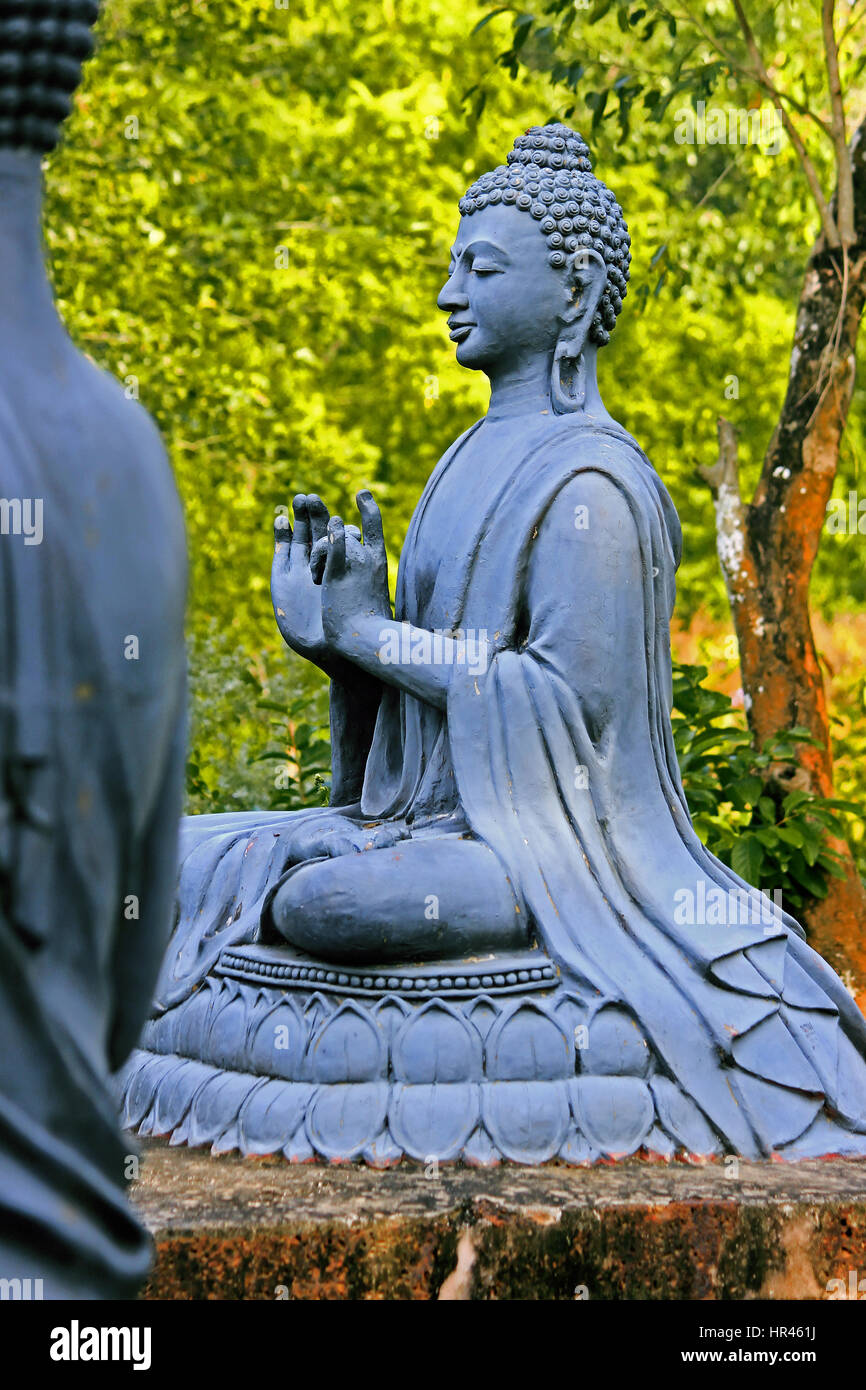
x=265 y=1229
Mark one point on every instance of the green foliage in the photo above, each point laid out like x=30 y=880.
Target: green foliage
x=301 y=753
x=248 y=223
x=258 y=735
x=773 y=837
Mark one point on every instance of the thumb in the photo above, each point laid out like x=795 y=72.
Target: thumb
x=335 y=565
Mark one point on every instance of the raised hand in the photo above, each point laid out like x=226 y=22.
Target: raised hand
x=297 y=600
x=353 y=576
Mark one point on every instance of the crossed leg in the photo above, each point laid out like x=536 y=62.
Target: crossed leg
x=423 y=899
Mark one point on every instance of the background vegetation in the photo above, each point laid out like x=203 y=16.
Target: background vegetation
x=248 y=223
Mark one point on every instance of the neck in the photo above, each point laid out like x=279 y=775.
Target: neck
x=26 y=299
x=521 y=389
x=524 y=389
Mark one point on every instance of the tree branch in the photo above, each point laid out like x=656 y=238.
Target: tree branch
x=844 y=176
x=762 y=79
x=831 y=234
x=732 y=543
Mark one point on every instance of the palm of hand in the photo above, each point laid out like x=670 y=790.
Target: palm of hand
x=296 y=598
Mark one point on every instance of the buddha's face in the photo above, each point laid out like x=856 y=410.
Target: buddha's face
x=503 y=298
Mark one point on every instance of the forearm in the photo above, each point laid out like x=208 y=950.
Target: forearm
x=419 y=662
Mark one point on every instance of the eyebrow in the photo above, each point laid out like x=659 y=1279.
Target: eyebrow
x=486 y=248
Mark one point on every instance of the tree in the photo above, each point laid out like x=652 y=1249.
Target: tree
x=808 y=69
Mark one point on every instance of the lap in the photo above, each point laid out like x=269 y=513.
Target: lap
x=419 y=899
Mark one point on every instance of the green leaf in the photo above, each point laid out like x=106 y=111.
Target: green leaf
x=503 y=9
x=768 y=836
x=745 y=792
x=747 y=858
x=791 y=835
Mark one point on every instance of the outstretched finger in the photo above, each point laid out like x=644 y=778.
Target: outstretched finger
x=282 y=534
x=318 y=514
x=301 y=537
x=372 y=519
x=335 y=565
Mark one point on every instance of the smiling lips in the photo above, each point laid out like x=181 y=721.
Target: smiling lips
x=459 y=331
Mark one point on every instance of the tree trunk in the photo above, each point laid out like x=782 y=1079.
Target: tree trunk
x=767 y=549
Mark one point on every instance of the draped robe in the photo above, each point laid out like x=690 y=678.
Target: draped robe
x=745 y=1019
x=91 y=774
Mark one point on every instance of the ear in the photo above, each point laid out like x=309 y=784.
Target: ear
x=587 y=274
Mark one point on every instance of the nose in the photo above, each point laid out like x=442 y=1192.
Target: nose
x=452 y=296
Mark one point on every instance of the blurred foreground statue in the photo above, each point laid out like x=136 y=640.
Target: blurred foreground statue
x=504 y=938
x=92 y=585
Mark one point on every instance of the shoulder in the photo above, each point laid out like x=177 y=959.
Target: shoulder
x=592 y=503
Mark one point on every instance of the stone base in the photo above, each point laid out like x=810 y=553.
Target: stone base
x=241 y=1229
x=475 y=1061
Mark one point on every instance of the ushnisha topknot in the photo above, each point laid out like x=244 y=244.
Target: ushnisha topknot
x=43 y=45
x=549 y=175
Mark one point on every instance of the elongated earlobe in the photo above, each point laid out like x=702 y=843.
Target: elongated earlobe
x=568 y=376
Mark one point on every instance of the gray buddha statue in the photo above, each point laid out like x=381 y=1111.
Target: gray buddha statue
x=478 y=950
x=92 y=670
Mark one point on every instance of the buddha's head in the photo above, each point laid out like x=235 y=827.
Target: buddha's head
x=540 y=263
x=43 y=44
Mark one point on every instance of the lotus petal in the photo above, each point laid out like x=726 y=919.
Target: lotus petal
x=271 y=1115
x=483 y=1014
x=174 y=1095
x=194 y=1018
x=348 y=1047
x=142 y=1087
x=299 y=1148
x=434 y=1121
x=228 y=1142
x=215 y=1105
x=528 y=1045
x=615 y=1045
x=527 y=1120
x=660 y=1144
x=577 y=1150
x=227 y=1035
x=342 y=1121
x=383 y=1152
x=390 y=1016
x=278 y=1042
x=317 y=1008
x=437 y=1044
x=480 y=1151
x=614 y=1112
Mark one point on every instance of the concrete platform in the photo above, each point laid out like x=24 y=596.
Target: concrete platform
x=232 y=1228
